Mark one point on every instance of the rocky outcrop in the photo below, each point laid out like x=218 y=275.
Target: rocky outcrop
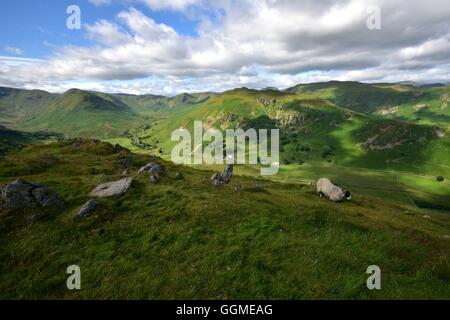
x=290 y=118
x=267 y=102
x=21 y=194
x=220 y=179
x=112 y=189
x=389 y=111
x=154 y=169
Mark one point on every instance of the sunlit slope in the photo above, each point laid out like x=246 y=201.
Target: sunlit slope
x=17 y=105
x=431 y=106
x=313 y=130
x=419 y=104
x=85 y=114
x=360 y=97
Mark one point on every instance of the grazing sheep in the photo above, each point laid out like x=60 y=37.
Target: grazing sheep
x=326 y=188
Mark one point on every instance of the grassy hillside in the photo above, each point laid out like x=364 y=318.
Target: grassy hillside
x=426 y=104
x=85 y=114
x=360 y=97
x=315 y=131
x=430 y=107
x=392 y=160
x=17 y=104
x=185 y=239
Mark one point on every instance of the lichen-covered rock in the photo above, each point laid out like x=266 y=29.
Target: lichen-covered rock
x=153 y=168
x=87 y=209
x=21 y=194
x=112 y=189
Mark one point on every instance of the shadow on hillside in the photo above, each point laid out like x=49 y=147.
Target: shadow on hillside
x=427 y=114
x=409 y=156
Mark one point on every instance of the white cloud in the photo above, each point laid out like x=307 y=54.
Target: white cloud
x=253 y=43
x=100 y=2
x=13 y=50
x=170 y=4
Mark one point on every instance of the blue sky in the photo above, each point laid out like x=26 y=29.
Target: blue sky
x=36 y=26
x=174 y=46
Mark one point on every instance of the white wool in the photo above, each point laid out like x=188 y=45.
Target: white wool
x=331 y=191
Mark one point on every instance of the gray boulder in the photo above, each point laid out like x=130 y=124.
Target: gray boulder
x=21 y=194
x=153 y=168
x=112 y=189
x=87 y=209
x=220 y=179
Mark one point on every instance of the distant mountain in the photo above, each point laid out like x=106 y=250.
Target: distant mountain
x=432 y=85
x=422 y=85
x=83 y=113
x=148 y=104
x=17 y=104
x=357 y=96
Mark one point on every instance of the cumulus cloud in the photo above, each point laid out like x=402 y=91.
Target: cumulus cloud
x=252 y=43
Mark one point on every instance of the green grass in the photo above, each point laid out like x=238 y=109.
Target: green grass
x=186 y=240
x=80 y=113
x=360 y=97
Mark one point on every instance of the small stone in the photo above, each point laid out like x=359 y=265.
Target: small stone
x=125 y=172
x=87 y=209
x=179 y=176
x=237 y=188
x=426 y=216
x=154 y=179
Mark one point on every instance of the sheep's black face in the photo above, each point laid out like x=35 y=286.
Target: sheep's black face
x=348 y=196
